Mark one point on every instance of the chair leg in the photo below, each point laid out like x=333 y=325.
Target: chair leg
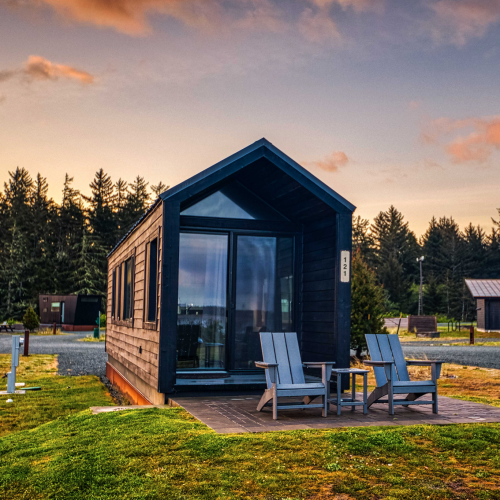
x=390 y=397
x=275 y=404
x=435 y=402
x=339 y=394
x=266 y=397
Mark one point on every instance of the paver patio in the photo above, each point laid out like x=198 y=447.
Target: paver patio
x=235 y=414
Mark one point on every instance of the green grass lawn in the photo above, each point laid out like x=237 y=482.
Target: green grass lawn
x=59 y=396
x=167 y=454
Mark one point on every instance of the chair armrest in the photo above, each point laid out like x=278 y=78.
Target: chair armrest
x=423 y=362
x=261 y=364
x=326 y=370
x=434 y=364
x=317 y=364
x=377 y=363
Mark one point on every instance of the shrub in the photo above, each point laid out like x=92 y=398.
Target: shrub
x=30 y=320
x=103 y=320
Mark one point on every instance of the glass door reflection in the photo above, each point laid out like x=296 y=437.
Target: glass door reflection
x=263 y=294
x=201 y=315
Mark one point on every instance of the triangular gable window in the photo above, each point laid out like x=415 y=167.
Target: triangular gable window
x=233 y=202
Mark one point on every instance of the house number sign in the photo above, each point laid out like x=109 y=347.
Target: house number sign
x=345 y=262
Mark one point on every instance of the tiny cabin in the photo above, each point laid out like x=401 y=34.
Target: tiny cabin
x=254 y=243
x=71 y=312
x=487 y=295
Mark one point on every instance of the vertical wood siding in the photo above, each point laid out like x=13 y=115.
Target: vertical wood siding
x=318 y=290
x=136 y=345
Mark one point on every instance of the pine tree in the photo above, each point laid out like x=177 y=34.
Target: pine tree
x=362 y=239
x=137 y=203
x=159 y=188
x=367 y=304
x=88 y=275
x=16 y=274
x=69 y=231
x=396 y=250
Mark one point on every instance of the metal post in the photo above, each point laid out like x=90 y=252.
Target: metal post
x=26 y=343
x=11 y=377
x=420 y=295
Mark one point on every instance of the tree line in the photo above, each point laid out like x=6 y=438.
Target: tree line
x=47 y=247
x=391 y=250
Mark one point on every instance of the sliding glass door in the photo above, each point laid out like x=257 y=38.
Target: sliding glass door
x=259 y=293
x=201 y=314
x=263 y=294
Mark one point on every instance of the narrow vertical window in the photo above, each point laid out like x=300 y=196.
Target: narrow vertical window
x=113 y=294
x=119 y=293
x=151 y=280
x=127 y=289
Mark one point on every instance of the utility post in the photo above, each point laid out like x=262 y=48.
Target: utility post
x=420 y=295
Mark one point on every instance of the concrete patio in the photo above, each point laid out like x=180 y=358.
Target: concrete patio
x=237 y=414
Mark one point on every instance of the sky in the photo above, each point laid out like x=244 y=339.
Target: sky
x=387 y=102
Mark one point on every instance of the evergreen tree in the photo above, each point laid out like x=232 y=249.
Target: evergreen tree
x=396 y=250
x=432 y=296
x=88 y=275
x=137 y=203
x=16 y=274
x=69 y=231
x=367 y=304
x=159 y=188
x=362 y=239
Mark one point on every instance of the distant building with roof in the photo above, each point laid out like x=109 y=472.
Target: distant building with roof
x=487 y=295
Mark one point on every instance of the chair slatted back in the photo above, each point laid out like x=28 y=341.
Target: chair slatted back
x=386 y=351
x=282 y=348
x=375 y=354
x=399 y=358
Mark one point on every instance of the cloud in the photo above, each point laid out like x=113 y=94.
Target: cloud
x=414 y=104
x=476 y=146
x=39 y=68
x=460 y=20
x=2 y=99
x=357 y=5
x=317 y=26
x=331 y=163
x=132 y=17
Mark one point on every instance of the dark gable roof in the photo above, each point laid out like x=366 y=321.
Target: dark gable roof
x=238 y=161
x=232 y=164
x=481 y=289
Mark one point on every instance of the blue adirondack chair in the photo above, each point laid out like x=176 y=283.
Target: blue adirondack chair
x=285 y=374
x=392 y=376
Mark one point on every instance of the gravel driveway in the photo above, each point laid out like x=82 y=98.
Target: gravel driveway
x=483 y=356
x=75 y=358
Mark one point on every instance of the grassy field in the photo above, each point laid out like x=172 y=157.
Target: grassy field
x=445 y=335
x=59 y=396
x=167 y=454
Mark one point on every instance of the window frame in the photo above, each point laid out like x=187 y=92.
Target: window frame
x=118 y=310
x=148 y=258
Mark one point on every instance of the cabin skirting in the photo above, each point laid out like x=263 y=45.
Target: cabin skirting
x=78 y=328
x=137 y=392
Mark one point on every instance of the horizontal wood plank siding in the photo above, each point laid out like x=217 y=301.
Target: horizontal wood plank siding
x=133 y=345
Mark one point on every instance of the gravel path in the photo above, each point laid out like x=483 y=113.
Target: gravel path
x=75 y=358
x=483 y=356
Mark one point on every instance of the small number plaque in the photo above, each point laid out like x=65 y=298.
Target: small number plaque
x=345 y=263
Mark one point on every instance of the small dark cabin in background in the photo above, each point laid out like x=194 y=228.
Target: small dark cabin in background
x=487 y=295
x=71 y=312
x=254 y=243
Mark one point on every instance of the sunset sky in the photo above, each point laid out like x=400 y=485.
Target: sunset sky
x=388 y=102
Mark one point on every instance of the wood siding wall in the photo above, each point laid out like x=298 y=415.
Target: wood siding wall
x=481 y=314
x=135 y=343
x=318 y=291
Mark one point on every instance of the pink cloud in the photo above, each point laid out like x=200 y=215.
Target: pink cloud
x=331 y=163
x=476 y=146
x=461 y=20
x=318 y=26
x=39 y=68
x=357 y=5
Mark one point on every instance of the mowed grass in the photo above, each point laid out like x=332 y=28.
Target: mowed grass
x=59 y=396
x=167 y=454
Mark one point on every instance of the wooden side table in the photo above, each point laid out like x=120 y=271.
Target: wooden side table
x=352 y=401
